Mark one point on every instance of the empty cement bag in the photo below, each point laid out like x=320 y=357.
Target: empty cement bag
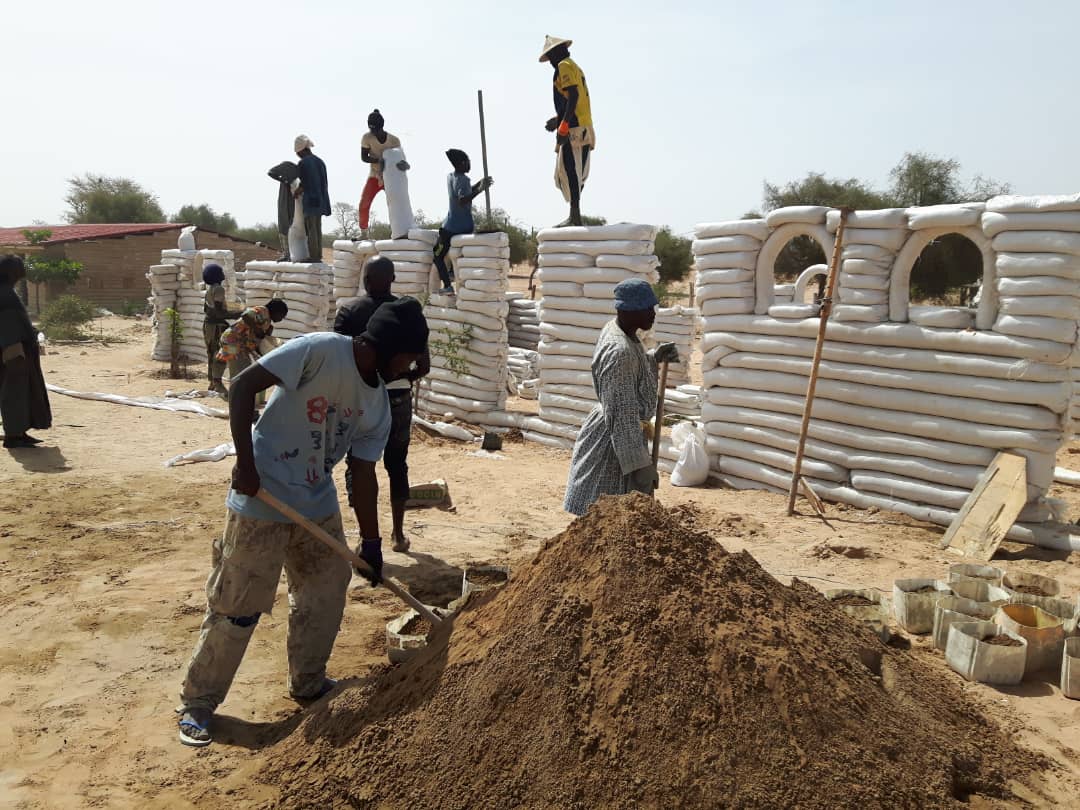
x=692 y=466
x=735 y=227
x=983 y=652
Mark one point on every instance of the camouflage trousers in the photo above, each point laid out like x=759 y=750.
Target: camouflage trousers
x=247 y=563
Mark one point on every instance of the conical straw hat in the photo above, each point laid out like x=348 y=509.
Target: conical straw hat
x=551 y=42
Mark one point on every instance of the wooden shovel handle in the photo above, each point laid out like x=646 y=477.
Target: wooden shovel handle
x=659 y=420
x=346 y=553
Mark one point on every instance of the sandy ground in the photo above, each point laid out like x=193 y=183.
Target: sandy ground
x=104 y=552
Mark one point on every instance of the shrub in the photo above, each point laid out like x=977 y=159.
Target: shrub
x=63 y=318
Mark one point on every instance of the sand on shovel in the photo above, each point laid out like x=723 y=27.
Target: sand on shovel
x=636 y=663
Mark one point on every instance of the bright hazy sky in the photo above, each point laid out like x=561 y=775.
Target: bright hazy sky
x=695 y=103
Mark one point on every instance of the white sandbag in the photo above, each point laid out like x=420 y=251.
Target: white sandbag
x=495 y=239
x=585 y=275
x=738 y=260
x=793 y=311
x=864 y=282
x=466 y=274
x=598 y=247
x=855 y=295
x=1009 y=203
x=724 y=244
x=428 y=237
x=994 y=223
x=565 y=403
x=770 y=456
x=492 y=309
x=484 y=252
x=756 y=228
x=869 y=252
x=1031 y=326
x=582 y=392
x=909 y=489
x=1011 y=415
x=576 y=334
x=881 y=443
x=461 y=403
x=486 y=264
x=729 y=276
x=602 y=290
x=879 y=218
x=645 y=264
x=422 y=258
x=1036 y=285
x=482 y=377
x=1065 y=307
x=944 y=317
x=558 y=376
x=567 y=347
x=805 y=214
x=561 y=288
x=728 y=306
x=604 y=306
x=866 y=267
x=465 y=293
x=621 y=231
x=396 y=184
x=480 y=336
x=568 y=361
x=545 y=260
x=862 y=314
x=692 y=468
x=743 y=289
x=772 y=248
x=475 y=393
x=1022 y=265
x=888 y=238
x=387 y=246
x=949 y=215
x=1051 y=395
x=894 y=421
x=595 y=320
x=1037 y=242
x=488 y=286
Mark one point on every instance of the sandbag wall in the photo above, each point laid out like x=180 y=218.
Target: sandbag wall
x=912 y=402
x=349 y=259
x=164 y=286
x=186 y=293
x=412 y=258
x=308 y=289
x=523 y=321
x=677 y=325
x=579 y=268
x=469 y=339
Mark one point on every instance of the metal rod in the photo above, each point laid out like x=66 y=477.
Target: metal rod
x=826 y=308
x=483 y=152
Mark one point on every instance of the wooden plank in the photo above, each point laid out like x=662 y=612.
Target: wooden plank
x=990 y=510
x=811 y=496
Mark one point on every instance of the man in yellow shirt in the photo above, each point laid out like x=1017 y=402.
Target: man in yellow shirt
x=572 y=123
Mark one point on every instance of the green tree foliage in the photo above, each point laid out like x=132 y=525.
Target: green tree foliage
x=674 y=254
x=947 y=263
x=206 y=218
x=63 y=318
x=265 y=232
x=95 y=198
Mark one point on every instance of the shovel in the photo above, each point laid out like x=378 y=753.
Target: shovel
x=659 y=421
x=346 y=553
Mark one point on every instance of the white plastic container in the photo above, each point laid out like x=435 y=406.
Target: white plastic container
x=1070 y=669
x=1043 y=632
x=875 y=615
x=477 y=578
x=986 y=573
x=914 y=611
x=951 y=610
x=969 y=654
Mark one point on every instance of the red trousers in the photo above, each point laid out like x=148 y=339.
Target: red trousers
x=372 y=187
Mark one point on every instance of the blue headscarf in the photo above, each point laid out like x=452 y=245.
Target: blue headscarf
x=634 y=295
x=213 y=274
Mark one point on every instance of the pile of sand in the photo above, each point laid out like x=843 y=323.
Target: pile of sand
x=636 y=663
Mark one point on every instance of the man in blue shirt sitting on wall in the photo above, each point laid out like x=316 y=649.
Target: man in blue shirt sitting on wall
x=459 y=219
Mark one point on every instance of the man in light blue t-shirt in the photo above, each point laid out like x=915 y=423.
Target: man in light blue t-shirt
x=329 y=404
x=459 y=218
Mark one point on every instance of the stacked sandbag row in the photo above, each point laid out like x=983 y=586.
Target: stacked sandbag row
x=468 y=332
x=677 y=325
x=191 y=296
x=349 y=259
x=579 y=269
x=306 y=288
x=684 y=400
x=523 y=365
x=412 y=258
x=164 y=286
x=907 y=415
x=523 y=322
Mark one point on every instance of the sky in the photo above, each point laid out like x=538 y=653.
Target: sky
x=695 y=104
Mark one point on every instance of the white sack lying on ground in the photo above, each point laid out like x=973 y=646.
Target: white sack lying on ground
x=156 y=403
x=218 y=453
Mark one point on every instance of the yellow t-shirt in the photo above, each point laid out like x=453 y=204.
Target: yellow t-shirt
x=369 y=141
x=570 y=75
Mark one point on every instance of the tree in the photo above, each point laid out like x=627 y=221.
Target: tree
x=674 y=254
x=919 y=179
x=95 y=198
x=40 y=270
x=264 y=232
x=206 y=218
x=348 y=222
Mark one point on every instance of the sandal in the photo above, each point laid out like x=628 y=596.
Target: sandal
x=328 y=685
x=195 y=727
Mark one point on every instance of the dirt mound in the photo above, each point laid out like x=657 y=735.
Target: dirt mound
x=636 y=663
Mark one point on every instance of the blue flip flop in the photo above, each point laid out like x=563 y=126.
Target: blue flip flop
x=190 y=726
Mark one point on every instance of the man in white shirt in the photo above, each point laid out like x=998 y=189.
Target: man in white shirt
x=375 y=141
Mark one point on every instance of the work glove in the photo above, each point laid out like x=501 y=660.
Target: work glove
x=552 y=124
x=564 y=129
x=403 y=165
x=666 y=353
x=644 y=479
x=371 y=552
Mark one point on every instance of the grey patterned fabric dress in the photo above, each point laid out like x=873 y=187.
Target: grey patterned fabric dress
x=611 y=444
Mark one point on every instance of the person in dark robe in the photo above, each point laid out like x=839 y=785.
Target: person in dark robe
x=24 y=400
x=286 y=174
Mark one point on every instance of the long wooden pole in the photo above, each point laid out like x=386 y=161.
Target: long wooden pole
x=346 y=553
x=483 y=153
x=826 y=309
x=659 y=420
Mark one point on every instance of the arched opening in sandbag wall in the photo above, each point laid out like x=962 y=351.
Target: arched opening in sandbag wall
x=934 y=260
x=805 y=238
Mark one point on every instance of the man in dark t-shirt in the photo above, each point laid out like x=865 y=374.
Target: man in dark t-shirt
x=352 y=320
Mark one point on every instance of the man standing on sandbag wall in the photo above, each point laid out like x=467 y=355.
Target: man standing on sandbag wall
x=286 y=173
x=314 y=194
x=330 y=404
x=572 y=123
x=459 y=217
x=352 y=320
x=372 y=145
